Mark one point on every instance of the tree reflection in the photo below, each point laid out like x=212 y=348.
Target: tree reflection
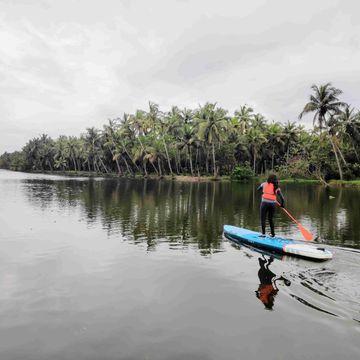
x=192 y=212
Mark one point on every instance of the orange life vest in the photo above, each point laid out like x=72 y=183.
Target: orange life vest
x=269 y=192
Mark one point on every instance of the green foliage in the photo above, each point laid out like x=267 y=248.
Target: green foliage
x=296 y=169
x=207 y=141
x=242 y=173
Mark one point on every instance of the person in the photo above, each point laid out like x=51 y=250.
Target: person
x=270 y=193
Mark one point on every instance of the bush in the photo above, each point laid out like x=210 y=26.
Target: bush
x=296 y=169
x=242 y=173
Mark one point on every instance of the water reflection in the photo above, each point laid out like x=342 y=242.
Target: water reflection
x=149 y=210
x=267 y=288
x=111 y=269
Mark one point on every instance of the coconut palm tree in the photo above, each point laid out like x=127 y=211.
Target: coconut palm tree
x=290 y=137
x=258 y=121
x=243 y=117
x=212 y=125
x=255 y=139
x=326 y=104
x=186 y=139
x=109 y=132
x=349 y=121
x=92 y=146
x=162 y=124
x=275 y=140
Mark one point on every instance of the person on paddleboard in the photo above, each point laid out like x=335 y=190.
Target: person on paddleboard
x=270 y=195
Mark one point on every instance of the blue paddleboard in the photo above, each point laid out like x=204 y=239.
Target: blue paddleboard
x=276 y=244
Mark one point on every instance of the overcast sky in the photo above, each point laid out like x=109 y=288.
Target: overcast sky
x=70 y=64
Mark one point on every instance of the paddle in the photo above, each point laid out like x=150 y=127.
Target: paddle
x=305 y=233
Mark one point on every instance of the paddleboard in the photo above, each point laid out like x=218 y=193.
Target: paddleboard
x=277 y=244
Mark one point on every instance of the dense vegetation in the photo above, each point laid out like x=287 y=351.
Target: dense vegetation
x=208 y=140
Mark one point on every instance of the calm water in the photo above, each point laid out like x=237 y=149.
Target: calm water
x=133 y=269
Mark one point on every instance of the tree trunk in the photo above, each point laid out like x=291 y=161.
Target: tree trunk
x=126 y=163
x=272 y=159
x=124 y=148
x=337 y=158
x=214 y=161
x=341 y=154
x=176 y=162
x=190 y=161
x=159 y=166
x=207 y=162
x=197 y=159
x=74 y=162
x=178 y=159
x=287 y=155
x=157 y=173
x=118 y=166
x=145 y=171
x=103 y=165
x=168 y=159
x=254 y=164
x=116 y=160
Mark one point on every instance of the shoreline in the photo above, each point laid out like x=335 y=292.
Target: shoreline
x=189 y=178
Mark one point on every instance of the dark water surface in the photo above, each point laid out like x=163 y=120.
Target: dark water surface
x=134 y=269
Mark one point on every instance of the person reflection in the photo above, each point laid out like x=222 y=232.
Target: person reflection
x=267 y=288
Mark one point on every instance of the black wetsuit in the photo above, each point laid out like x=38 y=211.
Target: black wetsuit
x=267 y=210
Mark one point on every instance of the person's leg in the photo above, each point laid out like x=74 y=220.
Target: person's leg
x=271 y=211
x=263 y=216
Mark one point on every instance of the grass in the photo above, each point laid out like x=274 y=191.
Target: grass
x=345 y=183
x=300 y=181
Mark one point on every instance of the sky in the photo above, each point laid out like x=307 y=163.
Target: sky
x=71 y=64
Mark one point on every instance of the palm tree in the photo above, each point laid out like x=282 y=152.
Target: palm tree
x=325 y=103
x=212 y=124
x=243 y=117
x=72 y=146
x=349 y=121
x=109 y=132
x=274 y=136
x=256 y=139
x=186 y=139
x=162 y=125
x=61 y=153
x=290 y=136
x=92 y=146
x=142 y=125
x=258 y=121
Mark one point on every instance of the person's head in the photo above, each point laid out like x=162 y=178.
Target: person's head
x=273 y=180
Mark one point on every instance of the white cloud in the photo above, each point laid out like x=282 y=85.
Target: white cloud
x=67 y=65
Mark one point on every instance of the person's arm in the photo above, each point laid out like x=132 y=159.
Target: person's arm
x=260 y=187
x=281 y=197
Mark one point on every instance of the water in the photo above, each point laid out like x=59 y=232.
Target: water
x=134 y=269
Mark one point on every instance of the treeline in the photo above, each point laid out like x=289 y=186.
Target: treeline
x=207 y=141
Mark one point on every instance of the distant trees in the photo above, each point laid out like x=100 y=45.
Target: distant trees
x=207 y=141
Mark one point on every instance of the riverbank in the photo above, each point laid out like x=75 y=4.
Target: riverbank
x=345 y=183
x=189 y=178
x=91 y=174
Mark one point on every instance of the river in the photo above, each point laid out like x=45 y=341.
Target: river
x=139 y=269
